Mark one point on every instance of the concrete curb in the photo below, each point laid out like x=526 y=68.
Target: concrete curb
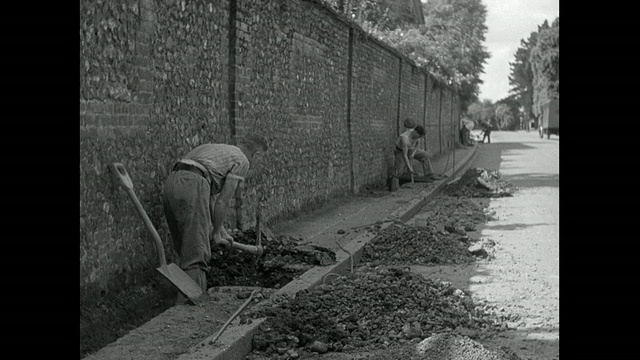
x=237 y=338
x=234 y=343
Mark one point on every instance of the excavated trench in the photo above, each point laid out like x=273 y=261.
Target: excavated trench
x=117 y=314
x=285 y=259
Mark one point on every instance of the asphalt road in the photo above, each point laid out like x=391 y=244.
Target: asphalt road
x=522 y=281
x=524 y=276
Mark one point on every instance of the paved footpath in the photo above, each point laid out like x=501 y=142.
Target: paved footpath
x=352 y=214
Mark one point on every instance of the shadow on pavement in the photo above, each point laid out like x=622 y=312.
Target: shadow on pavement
x=530 y=342
x=460 y=276
x=534 y=180
x=513 y=226
x=492 y=153
x=508 y=145
x=492 y=159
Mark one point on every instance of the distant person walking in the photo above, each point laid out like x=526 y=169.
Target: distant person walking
x=486 y=129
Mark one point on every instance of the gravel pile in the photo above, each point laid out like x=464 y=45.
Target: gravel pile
x=418 y=245
x=374 y=308
x=480 y=183
x=282 y=261
x=455 y=347
x=436 y=347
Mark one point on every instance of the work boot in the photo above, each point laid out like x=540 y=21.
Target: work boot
x=395 y=184
x=435 y=176
x=200 y=277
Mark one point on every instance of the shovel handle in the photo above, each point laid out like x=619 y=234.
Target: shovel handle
x=122 y=175
x=259 y=228
x=125 y=181
x=253 y=249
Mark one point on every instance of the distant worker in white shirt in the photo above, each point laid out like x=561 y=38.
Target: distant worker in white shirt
x=407 y=149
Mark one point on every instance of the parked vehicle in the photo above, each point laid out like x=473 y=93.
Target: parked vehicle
x=550 y=122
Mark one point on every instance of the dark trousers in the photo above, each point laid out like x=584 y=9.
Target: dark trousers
x=186 y=198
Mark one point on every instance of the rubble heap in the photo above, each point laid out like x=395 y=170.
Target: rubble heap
x=449 y=212
x=374 y=308
x=479 y=182
x=418 y=245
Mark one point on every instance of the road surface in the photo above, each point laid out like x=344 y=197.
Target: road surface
x=523 y=279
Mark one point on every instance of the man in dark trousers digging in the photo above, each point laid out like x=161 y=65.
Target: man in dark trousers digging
x=194 y=214
x=407 y=149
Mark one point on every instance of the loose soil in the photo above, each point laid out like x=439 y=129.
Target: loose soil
x=384 y=305
x=371 y=309
x=117 y=314
x=422 y=245
x=282 y=261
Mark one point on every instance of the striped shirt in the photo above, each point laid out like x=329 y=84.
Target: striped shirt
x=220 y=161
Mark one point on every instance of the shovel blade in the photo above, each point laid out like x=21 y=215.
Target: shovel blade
x=183 y=282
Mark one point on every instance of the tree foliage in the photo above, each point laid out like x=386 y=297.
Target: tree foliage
x=482 y=111
x=534 y=72
x=545 y=62
x=449 y=45
x=508 y=113
x=521 y=75
x=503 y=114
x=505 y=117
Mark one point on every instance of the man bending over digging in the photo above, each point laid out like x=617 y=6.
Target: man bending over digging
x=193 y=213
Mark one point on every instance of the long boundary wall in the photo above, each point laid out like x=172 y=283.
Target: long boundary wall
x=158 y=78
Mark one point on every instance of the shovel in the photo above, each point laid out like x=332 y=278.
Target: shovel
x=177 y=276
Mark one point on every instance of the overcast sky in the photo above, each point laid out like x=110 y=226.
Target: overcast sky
x=509 y=21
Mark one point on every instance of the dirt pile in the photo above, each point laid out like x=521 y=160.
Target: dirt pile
x=374 y=308
x=282 y=261
x=455 y=212
x=482 y=183
x=417 y=245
